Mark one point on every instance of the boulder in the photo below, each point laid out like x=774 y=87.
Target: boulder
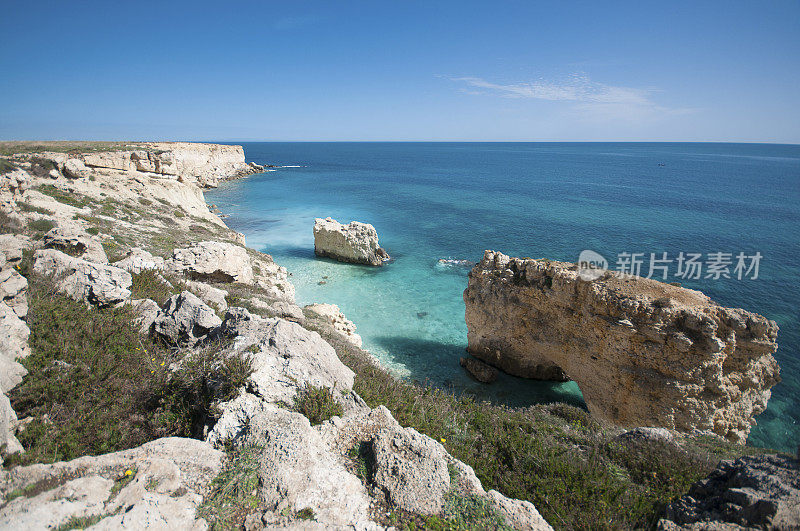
x=185 y=320
x=331 y=314
x=138 y=260
x=77 y=243
x=14 y=291
x=147 y=310
x=158 y=485
x=412 y=469
x=209 y=294
x=75 y=169
x=643 y=352
x=286 y=357
x=355 y=242
x=98 y=284
x=298 y=470
x=483 y=372
x=12 y=245
x=752 y=492
x=213 y=261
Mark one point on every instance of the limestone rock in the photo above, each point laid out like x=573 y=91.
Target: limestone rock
x=201 y=164
x=331 y=314
x=12 y=245
x=649 y=434
x=75 y=169
x=77 y=243
x=98 y=284
x=753 y=492
x=412 y=469
x=14 y=291
x=279 y=308
x=355 y=242
x=209 y=294
x=14 y=335
x=185 y=320
x=147 y=311
x=519 y=514
x=690 y=364
x=168 y=475
x=8 y=421
x=213 y=261
x=138 y=260
x=483 y=372
x=298 y=471
x=285 y=357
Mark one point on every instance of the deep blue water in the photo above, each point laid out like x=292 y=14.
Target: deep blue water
x=453 y=200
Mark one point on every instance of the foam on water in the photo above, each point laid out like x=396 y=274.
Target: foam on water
x=451 y=201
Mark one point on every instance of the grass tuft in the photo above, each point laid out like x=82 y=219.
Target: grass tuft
x=234 y=492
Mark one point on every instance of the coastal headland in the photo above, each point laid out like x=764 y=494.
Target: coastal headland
x=158 y=372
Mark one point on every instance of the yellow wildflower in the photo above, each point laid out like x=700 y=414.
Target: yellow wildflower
x=443 y=439
x=128 y=472
x=162 y=363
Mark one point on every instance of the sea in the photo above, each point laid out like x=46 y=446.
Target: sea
x=721 y=218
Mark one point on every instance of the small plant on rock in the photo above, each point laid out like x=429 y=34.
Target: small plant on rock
x=318 y=404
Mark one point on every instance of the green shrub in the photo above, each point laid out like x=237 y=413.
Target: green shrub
x=91 y=380
x=41 y=225
x=64 y=197
x=27 y=207
x=96 y=385
x=41 y=167
x=205 y=379
x=318 y=404
x=179 y=214
x=94 y=231
x=7 y=166
x=149 y=284
x=9 y=225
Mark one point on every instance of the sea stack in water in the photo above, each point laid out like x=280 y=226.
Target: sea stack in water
x=643 y=352
x=356 y=243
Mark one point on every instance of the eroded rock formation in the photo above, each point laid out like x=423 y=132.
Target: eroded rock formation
x=753 y=492
x=355 y=242
x=644 y=353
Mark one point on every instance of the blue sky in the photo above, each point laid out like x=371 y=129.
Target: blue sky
x=494 y=71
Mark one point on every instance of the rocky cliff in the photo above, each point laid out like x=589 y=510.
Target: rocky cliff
x=644 y=353
x=109 y=227
x=201 y=164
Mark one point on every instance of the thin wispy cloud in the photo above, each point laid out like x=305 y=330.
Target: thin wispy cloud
x=577 y=88
x=583 y=94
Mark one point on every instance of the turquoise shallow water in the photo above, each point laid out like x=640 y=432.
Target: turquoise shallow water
x=453 y=200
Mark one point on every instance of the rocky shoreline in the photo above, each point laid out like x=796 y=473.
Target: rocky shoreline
x=282 y=411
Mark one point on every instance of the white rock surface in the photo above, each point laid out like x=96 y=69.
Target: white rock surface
x=213 y=261
x=138 y=260
x=212 y=296
x=412 y=469
x=355 y=242
x=169 y=477
x=185 y=320
x=98 y=284
x=331 y=314
x=75 y=242
x=75 y=169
